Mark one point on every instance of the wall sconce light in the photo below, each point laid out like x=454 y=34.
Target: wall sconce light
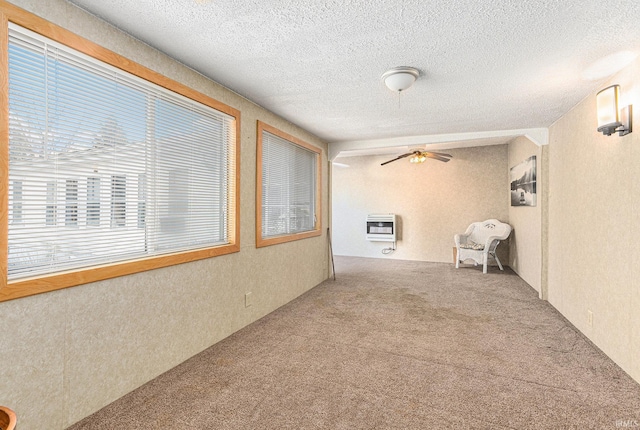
x=610 y=118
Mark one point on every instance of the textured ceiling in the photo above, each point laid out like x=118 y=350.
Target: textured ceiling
x=485 y=64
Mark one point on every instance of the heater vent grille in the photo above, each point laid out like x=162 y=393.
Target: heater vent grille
x=381 y=227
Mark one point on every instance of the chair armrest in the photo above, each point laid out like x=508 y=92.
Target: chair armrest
x=460 y=238
x=490 y=240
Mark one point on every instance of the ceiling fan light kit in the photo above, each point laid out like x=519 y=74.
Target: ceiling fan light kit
x=418 y=158
x=400 y=78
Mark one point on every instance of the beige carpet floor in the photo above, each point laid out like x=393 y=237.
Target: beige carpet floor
x=393 y=345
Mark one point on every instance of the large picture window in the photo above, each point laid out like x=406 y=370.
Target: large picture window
x=288 y=188
x=110 y=168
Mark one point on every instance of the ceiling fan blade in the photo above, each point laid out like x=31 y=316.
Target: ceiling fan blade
x=398 y=158
x=435 y=157
x=442 y=154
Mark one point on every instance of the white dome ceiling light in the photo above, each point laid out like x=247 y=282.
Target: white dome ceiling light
x=400 y=78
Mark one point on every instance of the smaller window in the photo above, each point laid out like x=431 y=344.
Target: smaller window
x=118 y=201
x=93 y=201
x=71 y=203
x=288 y=188
x=51 y=204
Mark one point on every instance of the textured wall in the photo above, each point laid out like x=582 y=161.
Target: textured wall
x=434 y=201
x=593 y=226
x=67 y=353
x=525 y=245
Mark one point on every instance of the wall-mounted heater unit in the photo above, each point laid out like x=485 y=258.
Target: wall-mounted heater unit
x=381 y=227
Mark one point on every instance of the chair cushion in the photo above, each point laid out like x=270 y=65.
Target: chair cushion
x=472 y=245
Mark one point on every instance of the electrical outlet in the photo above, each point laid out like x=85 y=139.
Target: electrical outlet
x=248 y=300
x=589 y=317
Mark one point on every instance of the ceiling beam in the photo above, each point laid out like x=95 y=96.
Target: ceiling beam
x=539 y=136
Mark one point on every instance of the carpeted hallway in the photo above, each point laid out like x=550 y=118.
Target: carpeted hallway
x=393 y=345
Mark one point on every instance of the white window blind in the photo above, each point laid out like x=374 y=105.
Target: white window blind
x=288 y=187
x=110 y=167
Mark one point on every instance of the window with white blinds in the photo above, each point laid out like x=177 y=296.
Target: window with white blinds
x=106 y=167
x=289 y=186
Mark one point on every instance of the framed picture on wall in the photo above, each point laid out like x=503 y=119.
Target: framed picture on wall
x=523 y=183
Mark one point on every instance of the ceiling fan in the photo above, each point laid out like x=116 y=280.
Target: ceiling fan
x=421 y=156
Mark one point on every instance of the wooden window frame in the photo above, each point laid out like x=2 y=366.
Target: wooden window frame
x=26 y=287
x=317 y=230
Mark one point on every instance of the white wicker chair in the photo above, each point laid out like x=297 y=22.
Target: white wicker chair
x=480 y=241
